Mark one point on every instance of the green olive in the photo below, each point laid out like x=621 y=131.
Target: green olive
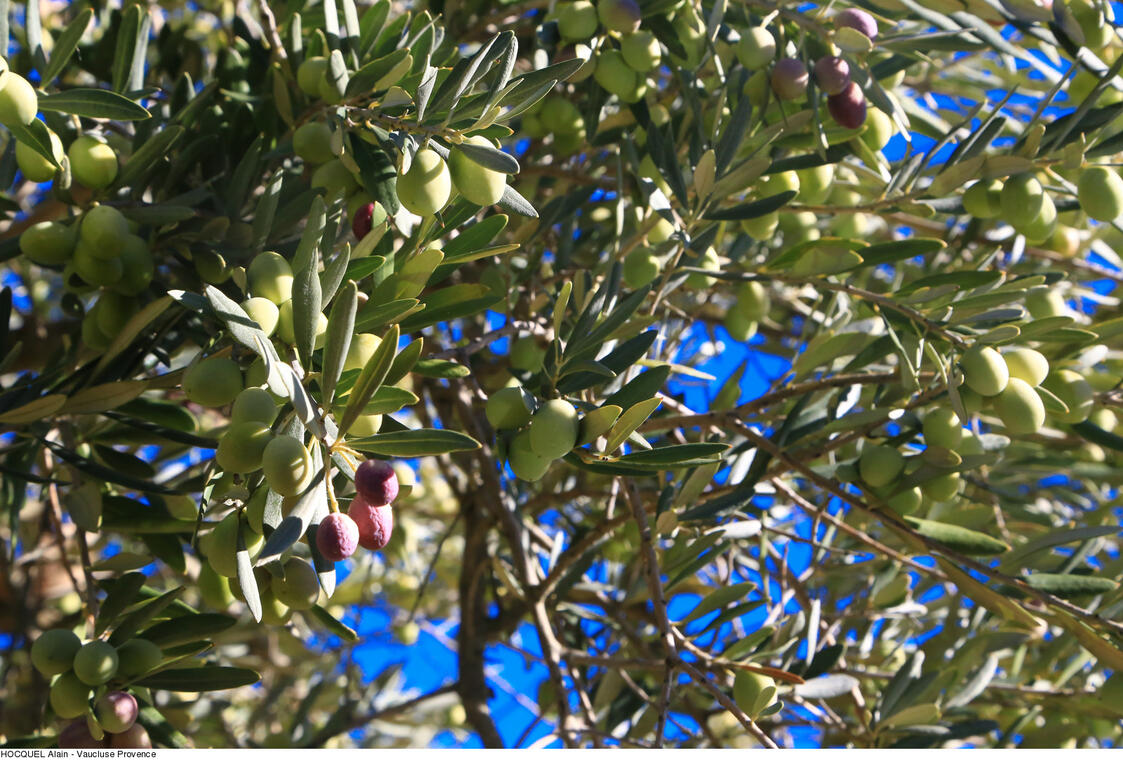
x=753 y=302
x=335 y=177
x=1027 y=364
x=286 y=329
x=614 y=75
x=240 y=448
x=880 y=465
x=312 y=142
x=641 y=267
x=287 y=465
x=942 y=487
x=221 y=545
x=33 y=165
x=478 y=184
x=92 y=162
x=526 y=355
x=95 y=663
x=270 y=276
x=983 y=200
x=361 y=350
x=254 y=405
x=310 y=73
x=524 y=461
x=104 y=229
x=94 y=269
x=138 y=656
x=299 y=587
x=641 y=51
x=48 y=243
x=213 y=382
x=1020 y=408
x=756 y=48
x=425 y=188
x=69 y=696
x=554 y=428
x=1100 y=192
x=1076 y=393
x=576 y=20
x=137 y=267
x=508 y=408
x=18 y=101
x=942 y=427
x=984 y=371
x=53 y=652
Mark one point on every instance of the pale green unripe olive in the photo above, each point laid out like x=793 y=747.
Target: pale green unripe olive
x=1022 y=199
x=691 y=31
x=799 y=227
x=240 y=448
x=69 y=696
x=48 y=243
x=1027 y=364
x=94 y=269
x=983 y=200
x=254 y=405
x=942 y=427
x=780 y=182
x=641 y=266
x=92 y=336
x=364 y=425
x=815 y=183
x=878 y=129
x=335 y=177
x=213 y=588
x=273 y=610
x=941 y=487
x=615 y=75
x=1041 y=227
x=619 y=15
x=299 y=588
x=113 y=312
x=554 y=428
x=137 y=267
x=660 y=232
x=92 y=162
x=1020 y=408
x=854 y=226
x=1100 y=192
x=310 y=73
x=756 y=48
x=478 y=184
x=362 y=348
x=508 y=408
x=1076 y=393
x=753 y=302
x=880 y=465
x=1104 y=419
x=526 y=355
x=753 y=692
x=270 y=276
x=1043 y=303
x=286 y=328
x=95 y=662
x=264 y=312
x=525 y=462
x=641 y=51
x=53 y=652
x=906 y=502
x=740 y=329
x=213 y=382
x=138 y=656
x=18 y=101
x=221 y=545
x=576 y=20
x=287 y=465
x=312 y=142
x=762 y=227
x=34 y=166
x=425 y=188
x=1097 y=32
x=984 y=371
x=709 y=261
x=105 y=230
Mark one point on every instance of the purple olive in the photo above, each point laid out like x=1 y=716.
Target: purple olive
x=858 y=20
x=376 y=482
x=789 y=78
x=337 y=537
x=376 y=524
x=77 y=735
x=832 y=74
x=848 y=107
x=363 y=221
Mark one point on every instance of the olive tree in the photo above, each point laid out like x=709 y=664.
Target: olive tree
x=447 y=296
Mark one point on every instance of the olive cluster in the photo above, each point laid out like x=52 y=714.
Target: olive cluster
x=89 y=682
x=536 y=435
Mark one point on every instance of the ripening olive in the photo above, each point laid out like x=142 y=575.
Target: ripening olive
x=137 y=267
x=619 y=15
x=76 y=735
x=262 y=311
x=270 y=276
x=832 y=74
x=376 y=482
x=18 y=101
x=554 y=428
x=95 y=663
x=310 y=73
x=641 y=51
x=425 y=188
x=105 y=230
x=880 y=465
x=789 y=79
x=375 y=523
x=983 y=200
x=858 y=20
x=34 y=166
x=942 y=427
x=221 y=545
x=241 y=446
x=508 y=408
x=299 y=588
x=1100 y=192
x=312 y=142
x=984 y=371
x=756 y=48
x=53 y=652
x=48 y=243
x=1076 y=393
x=213 y=382
x=92 y=162
x=576 y=20
x=69 y=696
x=287 y=466
x=116 y=711
x=848 y=108
x=641 y=266
x=138 y=656
x=337 y=537
x=135 y=738
x=1020 y=408
x=525 y=463
x=477 y=183
x=1026 y=364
